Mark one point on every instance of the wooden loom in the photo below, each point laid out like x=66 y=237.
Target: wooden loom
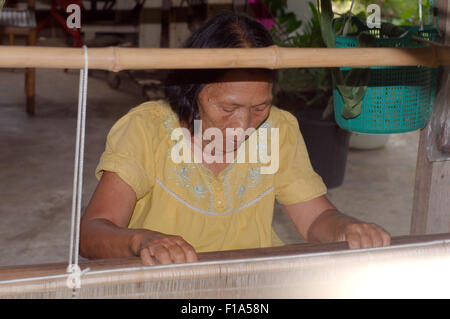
x=413 y=266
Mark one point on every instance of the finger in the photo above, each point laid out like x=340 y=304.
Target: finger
x=379 y=236
x=386 y=237
x=146 y=257
x=176 y=253
x=366 y=240
x=377 y=240
x=161 y=254
x=353 y=240
x=189 y=251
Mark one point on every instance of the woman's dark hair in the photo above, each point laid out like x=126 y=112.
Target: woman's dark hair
x=225 y=30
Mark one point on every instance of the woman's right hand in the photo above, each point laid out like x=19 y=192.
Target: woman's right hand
x=157 y=248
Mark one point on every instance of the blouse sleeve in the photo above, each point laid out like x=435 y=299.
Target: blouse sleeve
x=296 y=181
x=128 y=153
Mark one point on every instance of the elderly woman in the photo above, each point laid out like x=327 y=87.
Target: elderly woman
x=147 y=204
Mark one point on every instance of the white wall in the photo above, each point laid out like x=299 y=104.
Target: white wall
x=301 y=9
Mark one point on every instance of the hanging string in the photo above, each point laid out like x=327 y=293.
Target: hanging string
x=74 y=279
x=420 y=15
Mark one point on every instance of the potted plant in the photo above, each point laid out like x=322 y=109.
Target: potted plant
x=308 y=94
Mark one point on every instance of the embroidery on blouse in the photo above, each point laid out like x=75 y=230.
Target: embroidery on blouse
x=255 y=200
x=237 y=188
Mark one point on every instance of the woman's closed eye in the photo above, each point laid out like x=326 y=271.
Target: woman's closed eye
x=261 y=108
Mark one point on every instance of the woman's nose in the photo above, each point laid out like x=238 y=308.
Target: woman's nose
x=241 y=119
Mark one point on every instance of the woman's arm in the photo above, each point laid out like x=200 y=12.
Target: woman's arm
x=319 y=221
x=104 y=232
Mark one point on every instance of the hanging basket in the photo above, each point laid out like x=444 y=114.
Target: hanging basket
x=397 y=99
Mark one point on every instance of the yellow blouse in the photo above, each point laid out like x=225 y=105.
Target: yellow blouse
x=231 y=211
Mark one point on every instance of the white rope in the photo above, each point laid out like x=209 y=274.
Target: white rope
x=74 y=280
x=73 y=269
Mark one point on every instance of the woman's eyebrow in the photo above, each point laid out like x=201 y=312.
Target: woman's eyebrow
x=268 y=101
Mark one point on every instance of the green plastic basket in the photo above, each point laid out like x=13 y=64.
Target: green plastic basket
x=397 y=99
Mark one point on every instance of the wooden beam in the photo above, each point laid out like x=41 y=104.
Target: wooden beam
x=431 y=201
x=409 y=268
x=27 y=271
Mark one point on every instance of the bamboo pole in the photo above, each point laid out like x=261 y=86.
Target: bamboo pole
x=274 y=57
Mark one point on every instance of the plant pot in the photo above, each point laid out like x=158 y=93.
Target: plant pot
x=363 y=141
x=327 y=145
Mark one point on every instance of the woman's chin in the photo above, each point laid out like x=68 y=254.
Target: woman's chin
x=233 y=146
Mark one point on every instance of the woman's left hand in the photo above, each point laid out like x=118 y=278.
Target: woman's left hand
x=363 y=235
x=318 y=221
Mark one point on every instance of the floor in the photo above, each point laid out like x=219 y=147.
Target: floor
x=36 y=167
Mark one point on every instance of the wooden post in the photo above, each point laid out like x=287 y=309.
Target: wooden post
x=431 y=204
x=30 y=77
x=150 y=24
x=216 y=6
x=178 y=27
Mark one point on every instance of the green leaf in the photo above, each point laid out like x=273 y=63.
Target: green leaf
x=275 y=6
x=329 y=110
x=296 y=40
x=361 y=15
x=357 y=77
x=353 y=99
x=291 y=26
x=355 y=83
x=326 y=22
x=392 y=30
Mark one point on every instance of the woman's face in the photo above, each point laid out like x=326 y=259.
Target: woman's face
x=240 y=100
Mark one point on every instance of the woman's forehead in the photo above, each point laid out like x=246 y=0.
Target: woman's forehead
x=239 y=92
x=240 y=81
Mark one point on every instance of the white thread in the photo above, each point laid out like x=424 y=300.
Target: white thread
x=423 y=245
x=73 y=268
